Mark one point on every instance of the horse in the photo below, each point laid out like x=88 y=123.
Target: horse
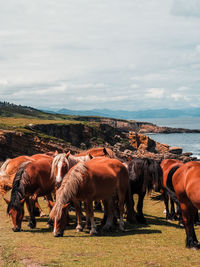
x=34 y=179
x=186 y=187
x=97 y=179
x=169 y=166
x=98 y=152
x=144 y=175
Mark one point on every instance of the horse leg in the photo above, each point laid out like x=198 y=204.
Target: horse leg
x=30 y=204
x=122 y=197
x=109 y=210
x=131 y=214
x=90 y=214
x=196 y=219
x=173 y=213
x=166 y=202
x=140 y=215
x=188 y=214
x=41 y=213
x=77 y=207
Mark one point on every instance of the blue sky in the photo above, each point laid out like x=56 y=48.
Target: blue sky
x=85 y=54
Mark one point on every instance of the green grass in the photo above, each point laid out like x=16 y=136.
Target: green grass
x=160 y=243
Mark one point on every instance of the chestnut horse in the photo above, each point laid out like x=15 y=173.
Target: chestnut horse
x=37 y=178
x=97 y=179
x=144 y=176
x=169 y=167
x=186 y=184
x=98 y=152
x=9 y=169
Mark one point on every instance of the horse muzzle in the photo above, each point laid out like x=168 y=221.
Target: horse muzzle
x=58 y=234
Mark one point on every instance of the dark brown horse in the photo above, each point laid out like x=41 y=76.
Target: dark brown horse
x=186 y=184
x=144 y=176
x=97 y=179
x=35 y=179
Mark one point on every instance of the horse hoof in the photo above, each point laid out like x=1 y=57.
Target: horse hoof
x=42 y=214
x=93 y=233
x=31 y=225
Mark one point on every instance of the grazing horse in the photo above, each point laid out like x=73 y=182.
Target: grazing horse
x=97 y=179
x=169 y=167
x=144 y=175
x=186 y=184
x=36 y=178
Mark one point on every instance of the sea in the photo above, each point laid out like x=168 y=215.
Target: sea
x=190 y=142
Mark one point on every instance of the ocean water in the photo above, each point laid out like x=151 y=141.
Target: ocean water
x=190 y=142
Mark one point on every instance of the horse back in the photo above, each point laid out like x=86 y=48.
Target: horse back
x=169 y=166
x=186 y=182
x=105 y=176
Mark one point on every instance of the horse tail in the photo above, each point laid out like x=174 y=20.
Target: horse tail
x=169 y=184
x=17 y=192
x=69 y=188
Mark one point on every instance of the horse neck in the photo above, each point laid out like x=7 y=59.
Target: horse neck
x=68 y=188
x=73 y=160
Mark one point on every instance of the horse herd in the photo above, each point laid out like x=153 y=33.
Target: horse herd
x=97 y=175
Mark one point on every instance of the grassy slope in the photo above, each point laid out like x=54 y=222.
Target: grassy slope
x=160 y=243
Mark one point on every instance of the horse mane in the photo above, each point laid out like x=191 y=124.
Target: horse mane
x=17 y=192
x=68 y=188
x=145 y=172
x=3 y=174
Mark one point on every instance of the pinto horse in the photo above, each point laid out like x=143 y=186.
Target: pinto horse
x=144 y=176
x=186 y=185
x=34 y=179
x=97 y=179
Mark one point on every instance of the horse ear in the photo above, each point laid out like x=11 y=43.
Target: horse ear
x=105 y=151
x=90 y=156
x=51 y=204
x=66 y=205
x=56 y=153
x=7 y=201
x=67 y=155
x=22 y=201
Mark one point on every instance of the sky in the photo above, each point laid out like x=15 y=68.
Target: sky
x=100 y=54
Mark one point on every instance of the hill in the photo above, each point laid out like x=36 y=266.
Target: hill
x=130 y=115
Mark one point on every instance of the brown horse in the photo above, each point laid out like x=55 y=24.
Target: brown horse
x=186 y=184
x=36 y=178
x=97 y=179
x=169 y=167
x=98 y=152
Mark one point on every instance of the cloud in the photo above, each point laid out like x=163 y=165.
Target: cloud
x=80 y=54
x=156 y=93
x=187 y=8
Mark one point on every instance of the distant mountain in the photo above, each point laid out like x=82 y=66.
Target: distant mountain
x=131 y=115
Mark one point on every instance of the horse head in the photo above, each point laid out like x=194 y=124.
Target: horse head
x=60 y=166
x=60 y=218
x=16 y=211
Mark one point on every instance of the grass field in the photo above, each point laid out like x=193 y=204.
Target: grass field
x=160 y=243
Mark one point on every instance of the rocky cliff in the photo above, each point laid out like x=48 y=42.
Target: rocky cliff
x=76 y=137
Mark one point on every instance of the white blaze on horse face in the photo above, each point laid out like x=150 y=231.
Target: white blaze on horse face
x=58 y=176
